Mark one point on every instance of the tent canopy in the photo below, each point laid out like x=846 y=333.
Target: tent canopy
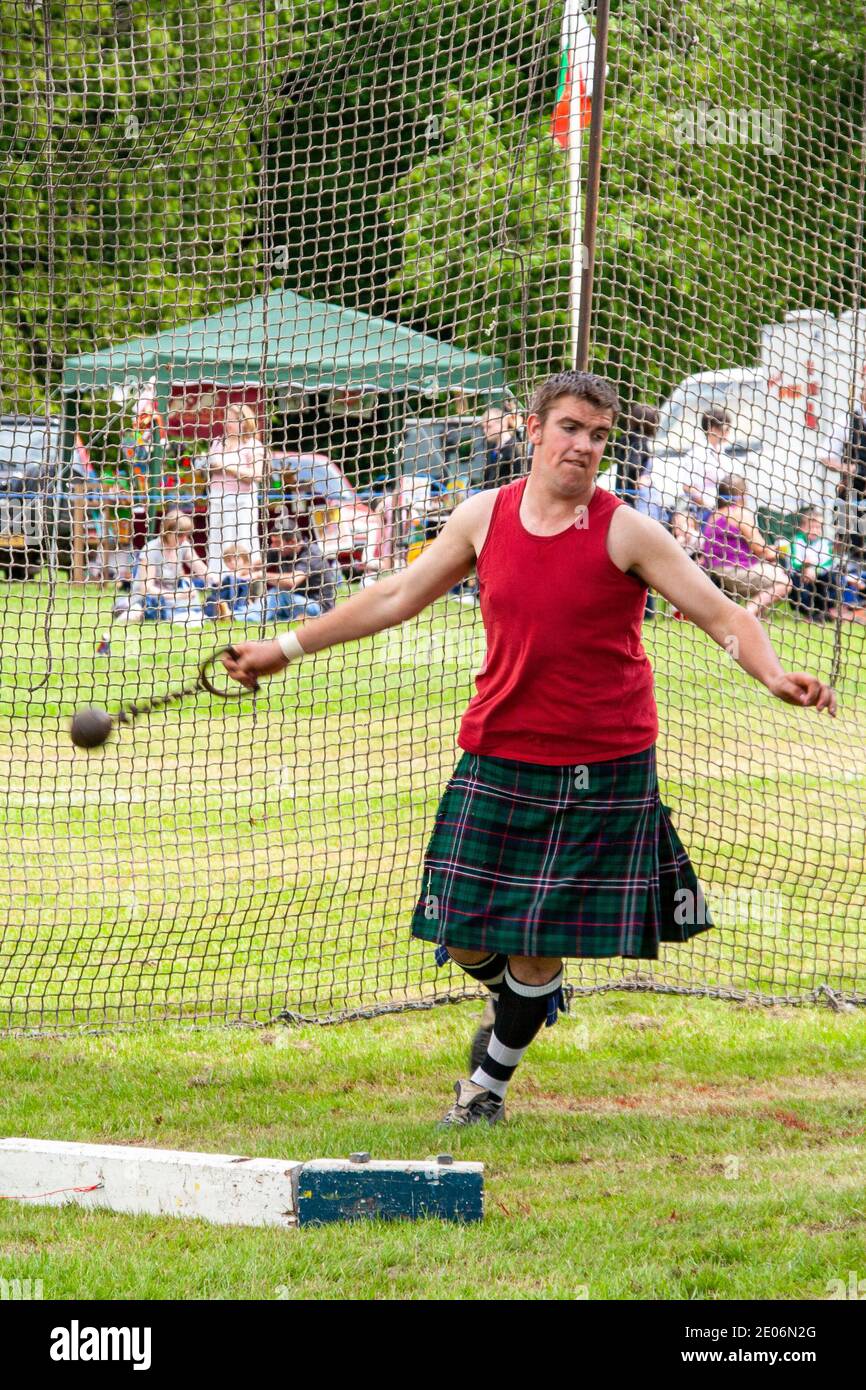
x=286 y=340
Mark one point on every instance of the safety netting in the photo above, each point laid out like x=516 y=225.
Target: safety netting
x=278 y=279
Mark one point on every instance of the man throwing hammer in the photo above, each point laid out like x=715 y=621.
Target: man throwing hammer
x=551 y=840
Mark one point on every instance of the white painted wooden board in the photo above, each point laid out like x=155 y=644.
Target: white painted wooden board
x=227 y=1189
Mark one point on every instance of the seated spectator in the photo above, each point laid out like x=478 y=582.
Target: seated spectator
x=504 y=461
x=851 y=598
x=686 y=530
x=506 y=454
x=162 y=591
x=301 y=581
x=844 y=482
x=814 y=583
x=631 y=452
x=634 y=470
x=238 y=584
x=735 y=555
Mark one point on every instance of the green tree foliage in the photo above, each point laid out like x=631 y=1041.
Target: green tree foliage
x=162 y=158
x=130 y=153
x=701 y=239
x=485 y=240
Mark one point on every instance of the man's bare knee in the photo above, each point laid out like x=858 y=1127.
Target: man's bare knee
x=534 y=970
x=466 y=957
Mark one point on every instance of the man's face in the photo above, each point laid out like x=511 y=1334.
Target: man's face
x=570 y=444
x=287 y=542
x=493 y=426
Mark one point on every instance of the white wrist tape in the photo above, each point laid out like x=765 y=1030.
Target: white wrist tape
x=290 y=646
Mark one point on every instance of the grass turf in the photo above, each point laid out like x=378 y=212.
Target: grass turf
x=227 y=860
x=655 y=1149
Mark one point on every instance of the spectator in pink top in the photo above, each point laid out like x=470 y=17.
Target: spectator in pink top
x=735 y=554
x=236 y=463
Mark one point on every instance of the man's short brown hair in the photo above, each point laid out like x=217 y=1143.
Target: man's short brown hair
x=583 y=386
x=716 y=418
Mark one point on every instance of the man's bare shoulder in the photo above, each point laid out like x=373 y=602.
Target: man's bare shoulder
x=480 y=504
x=627 y=521
x=631 y=534
x=472 y=517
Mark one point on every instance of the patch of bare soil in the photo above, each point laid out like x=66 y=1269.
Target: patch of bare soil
x=684 y=1099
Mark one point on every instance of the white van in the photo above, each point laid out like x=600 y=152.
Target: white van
x=739 y=391
x=784 y=412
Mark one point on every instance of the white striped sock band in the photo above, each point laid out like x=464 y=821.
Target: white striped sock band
x=508 y=1056
x=490 y=971
x=490 y=1083
x=533 y=991
x=520 y=1013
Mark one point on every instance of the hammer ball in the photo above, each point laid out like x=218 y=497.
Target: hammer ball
x=90 y=727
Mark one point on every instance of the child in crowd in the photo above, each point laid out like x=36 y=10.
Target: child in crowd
x=240 y=581
x=853 y=596
x=687 y=533
x=813 y=583
x=735 y=554
x=817 y=587
x=167 y=573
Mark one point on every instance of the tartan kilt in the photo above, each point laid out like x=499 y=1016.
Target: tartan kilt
x=538 y=860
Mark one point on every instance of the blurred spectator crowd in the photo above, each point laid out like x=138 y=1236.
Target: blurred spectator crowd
x=244 y=532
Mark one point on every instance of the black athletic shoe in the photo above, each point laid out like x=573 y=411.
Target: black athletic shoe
x=483 y=1034
x=473 y=1106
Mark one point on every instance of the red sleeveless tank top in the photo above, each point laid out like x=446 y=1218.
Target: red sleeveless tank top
x=566 y=678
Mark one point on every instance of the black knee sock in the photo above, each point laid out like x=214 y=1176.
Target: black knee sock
x=489 y=971
x=521 y=1011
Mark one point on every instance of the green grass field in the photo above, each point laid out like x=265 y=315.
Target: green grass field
x=655 y=1149
x=229 y=861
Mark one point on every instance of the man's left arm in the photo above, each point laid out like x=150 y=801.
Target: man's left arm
x=278 y=578
x=643 y=547
x=300 y=575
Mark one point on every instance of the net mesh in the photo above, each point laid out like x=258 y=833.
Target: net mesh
x=332 y=247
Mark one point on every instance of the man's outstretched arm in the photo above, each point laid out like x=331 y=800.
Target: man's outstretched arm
x=385 y=604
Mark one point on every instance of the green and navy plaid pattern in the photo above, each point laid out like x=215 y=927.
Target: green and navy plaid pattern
x=535 y=860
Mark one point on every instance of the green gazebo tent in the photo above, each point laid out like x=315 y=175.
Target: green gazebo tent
x=282 y=340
